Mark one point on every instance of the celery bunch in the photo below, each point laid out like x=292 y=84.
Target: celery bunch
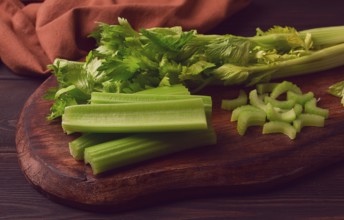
x=128 y=61
x=123 y=129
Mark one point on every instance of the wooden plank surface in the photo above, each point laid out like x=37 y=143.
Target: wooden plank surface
x=319 y=195
x=235 y=164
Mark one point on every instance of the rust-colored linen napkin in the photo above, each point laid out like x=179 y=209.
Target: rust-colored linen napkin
x=33 y=35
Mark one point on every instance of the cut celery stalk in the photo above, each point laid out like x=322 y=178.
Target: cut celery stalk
x=113 y=98
x=274 y=115
x=162 y=116
x=279 y=127
x=298 y=109
x=78 y=145
x=263 y=88
x=178 y=89
x=311 y=107
x=306 y=119
x=250 y=118
x=230 y=104
x=285 y=104
x=284 y=87
x=141 y=147
x=300 y=98
x=236 y=112
x=256 y=100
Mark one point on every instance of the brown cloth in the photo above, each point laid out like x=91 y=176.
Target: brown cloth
x=33 y=35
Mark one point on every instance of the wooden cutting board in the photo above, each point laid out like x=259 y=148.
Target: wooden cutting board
x=235 y=165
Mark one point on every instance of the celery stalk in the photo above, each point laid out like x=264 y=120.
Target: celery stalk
x=178 y=89
x=280 y=127
x=230 y=104
x=112 y=98
x=78 y=145
x=311 y=107
x=162 y=116
x=141 y=147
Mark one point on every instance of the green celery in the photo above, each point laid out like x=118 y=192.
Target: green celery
x=307 y=119
x=279 y=127
x=162 y=116
x=141 y=147
x=178 y=89
x=300 y=98
x=273 y=115
x=113 y=98
x=236 y=112
x=256 y=100
x=78 y=145
x=265 y=87
x=298 y=108
x=283 y=104
x=284 y=87
x=230 y=104
x=311 y=107
x=247 y=119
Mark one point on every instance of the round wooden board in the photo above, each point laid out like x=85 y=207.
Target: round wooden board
x=235 y=164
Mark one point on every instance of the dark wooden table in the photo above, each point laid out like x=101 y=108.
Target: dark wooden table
x=319 y=195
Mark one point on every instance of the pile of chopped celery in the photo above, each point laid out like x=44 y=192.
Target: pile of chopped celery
x=265 y=107
x=128 y=61
x=124 y=129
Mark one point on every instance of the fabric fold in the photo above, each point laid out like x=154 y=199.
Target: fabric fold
x=33 y=35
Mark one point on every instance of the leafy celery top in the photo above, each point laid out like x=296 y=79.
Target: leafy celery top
x=128 y=61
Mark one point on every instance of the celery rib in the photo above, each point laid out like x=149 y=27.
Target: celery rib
x=256 y=100
x=113 y=98
x=285 y=104
x=307 y=119
x=273 y=115
x=279 y=127
x=162 y=116
x=250 y=118
x=236 y=112
x=136 y=148
x=311 y=107
x=230 y=104
x=78 y=145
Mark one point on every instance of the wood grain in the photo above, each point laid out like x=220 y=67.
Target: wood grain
x=235 y=165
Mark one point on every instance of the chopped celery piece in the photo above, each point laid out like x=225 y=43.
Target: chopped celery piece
x=256 y=100
x=298 y=109
x=274 y=115
x=141 y=147
x=283 y=104
x=311 y=107
x=307 y=119
x=250 y=118
x=297 y=125
x=265 y=87
x=162 y=116
x=112 y=98
x=230 y=104
x=236 y=112
x=284 y=87
x=78 y=146
x=279 y=127
x=178 y=89
x=300 y=98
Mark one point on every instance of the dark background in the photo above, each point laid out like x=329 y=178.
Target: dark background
x=319 y=195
